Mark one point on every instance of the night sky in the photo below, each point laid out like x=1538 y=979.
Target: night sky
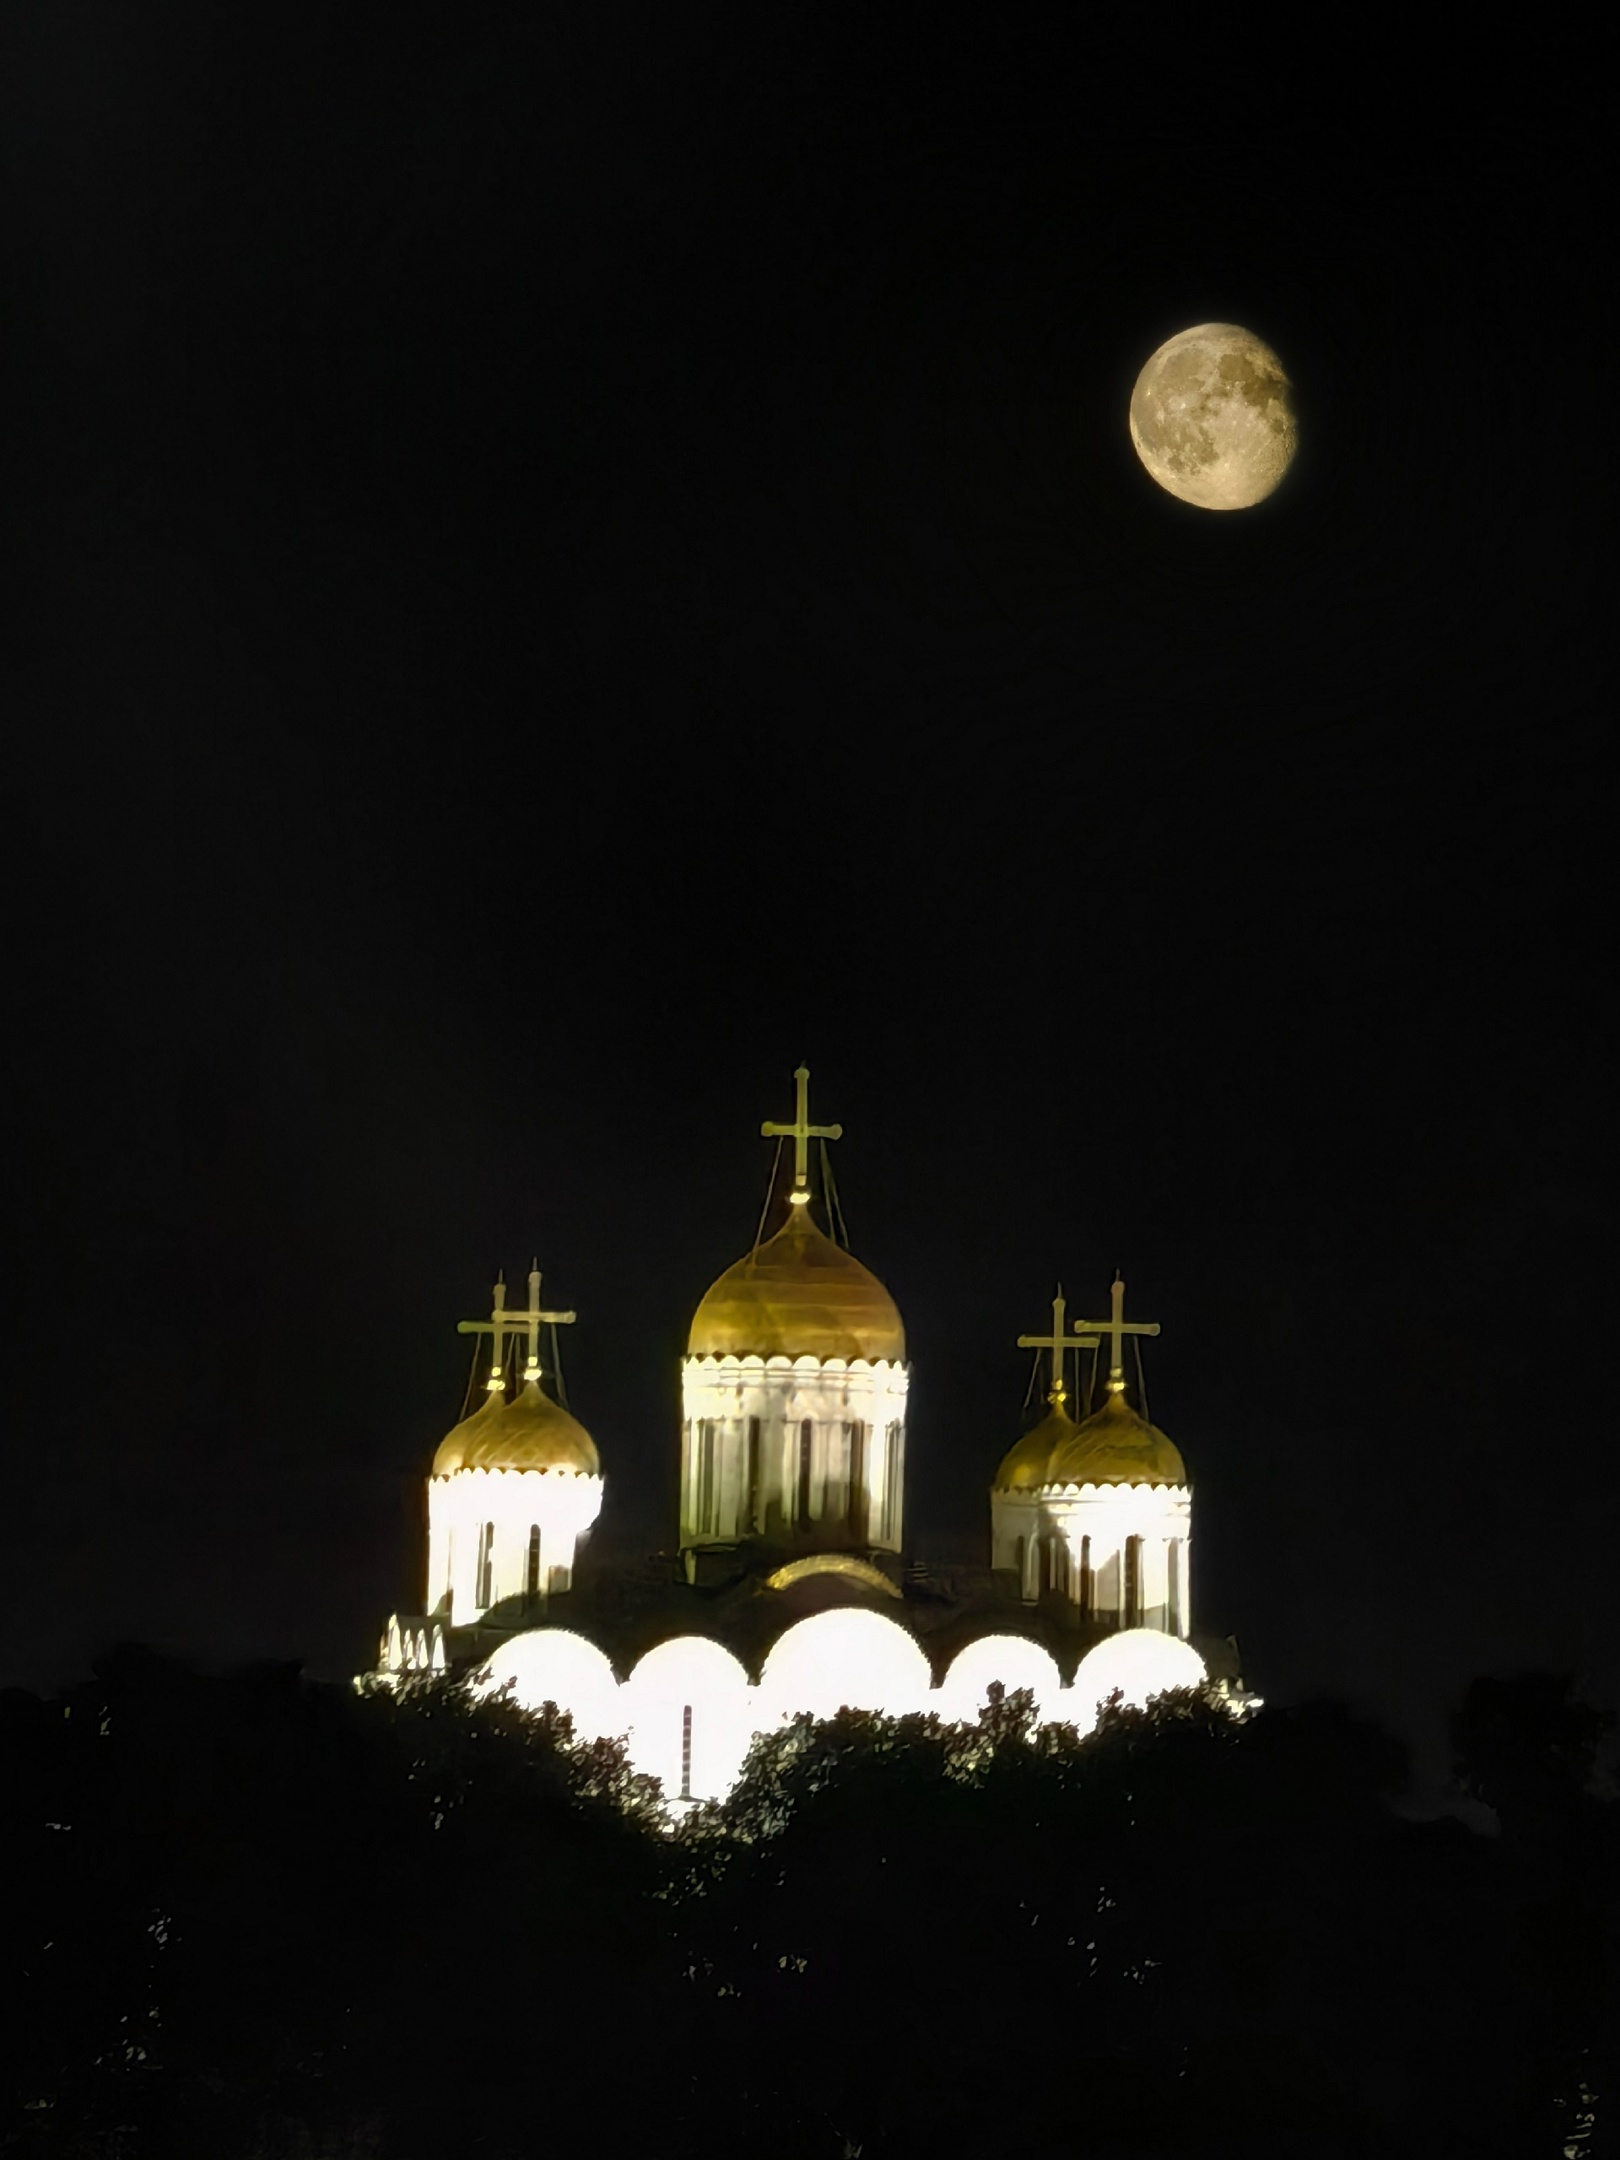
x=573 y=558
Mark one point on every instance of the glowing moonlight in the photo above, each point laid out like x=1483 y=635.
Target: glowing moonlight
x=1212 y=417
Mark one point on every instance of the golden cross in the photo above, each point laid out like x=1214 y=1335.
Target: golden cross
x=1057 y=1342
x=801 y=1132
x=502 y=1323
x=1118 y=1327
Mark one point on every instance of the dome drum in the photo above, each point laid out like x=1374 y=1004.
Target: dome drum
x=800 y=1458
x=1116 y=1556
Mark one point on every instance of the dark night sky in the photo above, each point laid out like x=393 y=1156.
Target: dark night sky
x=567 y=569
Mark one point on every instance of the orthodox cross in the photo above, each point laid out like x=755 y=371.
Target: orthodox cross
x=1057 y=1342
x=502 y=1323
x=801 y=1132
x=1117 y=1327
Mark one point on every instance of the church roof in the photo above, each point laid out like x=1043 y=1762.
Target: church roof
x=798 y=1295
x=1116 y=1446
x=530 y=1433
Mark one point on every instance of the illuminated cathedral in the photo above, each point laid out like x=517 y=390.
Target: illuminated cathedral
x=790 y=1588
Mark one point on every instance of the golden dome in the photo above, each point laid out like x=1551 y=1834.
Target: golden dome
x=532 y=1433
x=1024 y=1467
x=798 y=1295
x=464 y=1441
x=1116 y=1446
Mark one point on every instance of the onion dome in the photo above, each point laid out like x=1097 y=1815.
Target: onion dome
x=798 y=1295
x=1116 y=1446
x=1024 y=1467
x=532 y=1433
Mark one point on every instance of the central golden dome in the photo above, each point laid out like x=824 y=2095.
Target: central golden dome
x=1116 y=1446
x=531 y=1433
x=798 y=1295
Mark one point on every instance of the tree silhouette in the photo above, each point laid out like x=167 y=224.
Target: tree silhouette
x=256 y=1918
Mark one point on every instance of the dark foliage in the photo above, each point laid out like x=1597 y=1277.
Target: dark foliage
x=258 y=1919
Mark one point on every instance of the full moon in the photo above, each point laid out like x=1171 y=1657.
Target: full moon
x=1212 y=417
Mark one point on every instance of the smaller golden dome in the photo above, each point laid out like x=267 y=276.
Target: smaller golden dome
x=798 y=1295
x=1024 y=1467
x=462 y=1444
x=1116 y=1446
x=532 y=1433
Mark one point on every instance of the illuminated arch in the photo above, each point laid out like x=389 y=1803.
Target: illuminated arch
x=691 y=1717
x=1013 y=1660
x=834 y=1660
x=1141 y=1663
x=845 y=1564
x=555 y=1665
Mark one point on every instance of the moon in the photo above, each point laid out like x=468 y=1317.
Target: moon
x=1212 y=417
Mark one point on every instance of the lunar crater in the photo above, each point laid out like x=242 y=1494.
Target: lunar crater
x=1212 y=417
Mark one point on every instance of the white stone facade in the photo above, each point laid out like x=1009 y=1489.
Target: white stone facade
x=1122 y=1554
x=802 y=1452
x=1015 y=1539
x=499 y=1535
x=687 y=1712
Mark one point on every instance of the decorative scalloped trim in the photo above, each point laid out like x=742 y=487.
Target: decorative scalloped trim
x=752 y=1364
x=482 y=1470
x=1080 y=1492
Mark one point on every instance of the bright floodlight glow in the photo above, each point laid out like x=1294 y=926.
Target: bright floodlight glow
x=1015 y=1662
x=838 y=1660
x=691 y=1717
x=555 y=1665
x=1141 y=1663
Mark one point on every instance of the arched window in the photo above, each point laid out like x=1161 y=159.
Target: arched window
x=1020 y=1560
x=705 y=1502
x=751 y=1507
x=1133 y=1582
x=891 y=1485
x=1173 y=1560
x=807 y=1434
x=856 y=1510
x=1087 y=1586
x=484 y=1594
x=531 y=1572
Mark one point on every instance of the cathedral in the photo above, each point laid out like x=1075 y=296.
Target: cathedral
x=790 y=1587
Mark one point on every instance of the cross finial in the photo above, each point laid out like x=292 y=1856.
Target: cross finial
x=1116 y=1327
x=502 y=1323
x=1059 y=1343
x=801 y=1132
